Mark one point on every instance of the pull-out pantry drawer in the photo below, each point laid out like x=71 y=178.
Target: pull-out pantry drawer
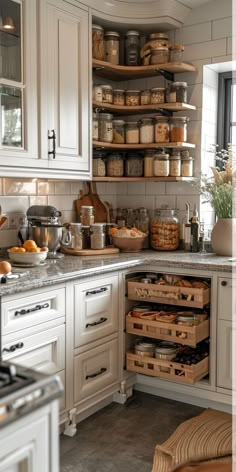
x=96 y=310
x=225 y=300
x=95 y=370
x=21 y=312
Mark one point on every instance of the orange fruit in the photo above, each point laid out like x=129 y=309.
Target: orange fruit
x=43 y=249
x=29 y=244
x=5 y=267
x=20 y=249
x=14 y=249
x=34 y=249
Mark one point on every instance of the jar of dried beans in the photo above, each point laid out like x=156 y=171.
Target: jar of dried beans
x=118 y=131
x=98 y=236
x=99 y=165
x=112 y=47
x=105 y=127
x=115 y=165
x=162 y=130
x=178 y=92
x=134 y=165
x=98 y=46
x=178 y=129
x=118 y=97
x=157 y=95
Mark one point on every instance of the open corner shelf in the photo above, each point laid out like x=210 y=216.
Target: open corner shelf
x=131 y=110
x=127 y=147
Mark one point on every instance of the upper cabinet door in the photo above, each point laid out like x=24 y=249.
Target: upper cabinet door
x=65 y=86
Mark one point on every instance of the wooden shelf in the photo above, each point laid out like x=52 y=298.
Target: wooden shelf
x=119 y=72
x=127 y=110
x=143 y=179
x=127 y=147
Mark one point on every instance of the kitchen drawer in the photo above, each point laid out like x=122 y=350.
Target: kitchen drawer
x=225 y=294
x=43 y=351
x=22 y=312
x=96 y=310
x=95 y=370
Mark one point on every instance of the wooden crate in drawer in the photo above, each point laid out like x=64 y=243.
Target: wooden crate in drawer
x=174 y=371
x=187 y=335
x=168 y=294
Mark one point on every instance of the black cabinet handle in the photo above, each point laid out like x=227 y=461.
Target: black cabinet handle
x=102 y=320
x=223 y=283
x=101 y=371
x=53 y=137
x=95 y=292
x=13 y=347
x=30 y=310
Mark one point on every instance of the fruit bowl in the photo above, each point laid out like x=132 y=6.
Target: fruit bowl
x=27 y=257
x=129 y=244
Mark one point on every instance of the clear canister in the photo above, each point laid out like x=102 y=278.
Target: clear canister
x=87 y=215
x=134 y=165
x=98 y=236
x=112 y=47
x=176 y=52
x=161 y=165
x=165 y=352
x=148 y=162
x=178 y=129
x=132 y=48
x=97 y=93
x=118 y=131
x=95 y=126
x=186 y=166
x=177 y=92
x=118 y=97
x=162 y=129
x=76 y=235
x=107 y=95
x=165 y=230
x=132 y=97
x=159 y=55
x=159 y=39
x=105 y=127
x=145 y=97
x=143 y=349
x=175 y=166
x=157 y=95
x=99 y=164
x=115 y=165
x=98 y=46
x=132 y=132
x=146 y=131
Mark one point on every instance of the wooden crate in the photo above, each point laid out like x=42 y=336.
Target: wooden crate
x=174 y=371
x=168 y=294
x=168 y=331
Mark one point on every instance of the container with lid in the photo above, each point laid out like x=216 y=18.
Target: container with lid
x=76 y=235
x=148 y=162
x=146 y=131
x=134 y=165
x=99 y=165
x=98 y=236
x=176 y=52
x=165 y=230
x=132 y=48
x=175 y=166
x=105 y=127
x=165 y=352
x=87 y=215
x=95 y=126
x=118 y=97
x=142 y=223
x=97 y=93
x=132 y=132
x=145 y=97
x=178 y=129
x=132 y=97
x=178 y=92
x=112 y=47
x=159 y=55
x=144 y=349
x=187 y=319
x=157 y=95
x=98 y=46
x=118 y=131
x=162 y=130
x=159 y=39
x=186 y=166
x=161 y=165
x=115 y=165
x=107 y=95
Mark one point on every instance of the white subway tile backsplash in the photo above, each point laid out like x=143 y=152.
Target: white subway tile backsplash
x=136 y=188
x=61 y=202
x=205 y=49
x=19 y=187
x=167 y=200
x=14 y=204
x=38 y=200
x=195 y=95
x=110 y=188
x=222 y=28
x=213 y=10
x=8 y=238
x=122 y=188
x=194 y=34
x=155 y=188
x=219 y=59
x=194 y=77
x=210 y=77
x=181 y=188
x=62 y=188
x=76 y=187
x=45 y=187
x=136 y=201
x=191 y=199
x=68 y=217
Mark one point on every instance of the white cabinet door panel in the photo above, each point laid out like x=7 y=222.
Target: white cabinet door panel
x=225 y=298
x=224 y=353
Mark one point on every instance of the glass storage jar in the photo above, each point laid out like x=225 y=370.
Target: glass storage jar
x=134 y=165
x=165 y=230
x=178 y=129
x=187 y=319
x=175 y=166
x=159 y=39
x=162 y=130
x=178 y=92
x=176 y=52
x=148 y=163
x=98 y=236
x=98 y=46
x=107 y=95
x=118 y=131
x=142 y=223
x=143 y=349
x=87 y=215
x=186 y=166
x=112 y=47
x=145 y=97
x=86 y=244
x=146 y=131
x=165 y=352
x=132 y=132
x=118 y=97
x=159 y=55
x=97 y=93
x=132 y=48
x=161 y=165
x=95 y=126
x=157 y=95
x=105 y=127
x=132 y=97
x=115 y=165
x=99 y=165
x=76 y=235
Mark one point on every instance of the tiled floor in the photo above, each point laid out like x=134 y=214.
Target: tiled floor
x=122 y=438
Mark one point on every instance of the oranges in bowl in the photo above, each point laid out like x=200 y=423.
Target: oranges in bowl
x=29 y=253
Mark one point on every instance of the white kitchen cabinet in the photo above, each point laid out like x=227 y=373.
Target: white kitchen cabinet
x=224 y=353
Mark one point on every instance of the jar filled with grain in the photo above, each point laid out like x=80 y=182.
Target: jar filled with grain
x=175 y=166
x=118 y=97
x=162 y=129
x=148 y=162
x=115 y=165
x=157 y=95
x=98 y=236
x=158 y=39
x=165 y=352
x=98 y=46
x=97 y=93
x=159 y=55
x=132 y=132
x=132 y=97
x=177 y=92
x=161 y=165
x=132 y=48
x=145 y=97
x=143 y=349
x=186 y=166
x=146 y=131
x=176 y=52
x=165 y=230
x=95 y=126
x=134 y=165
x=99 y=164
x=112 y=47
x=105 y=127
x=87 y=215
x=178 y=129
x=118 y=131
x=107 y=95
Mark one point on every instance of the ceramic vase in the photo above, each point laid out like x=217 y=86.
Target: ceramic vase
x=222 y=236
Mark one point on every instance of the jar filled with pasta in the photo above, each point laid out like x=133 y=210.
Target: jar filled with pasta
x=98 y=46
x=165 y=230
x=112 y=47
x=118 y=97
x=132 y=97
x=157 y=95
x=162 y=130
x=132 y=132
x=178 y=129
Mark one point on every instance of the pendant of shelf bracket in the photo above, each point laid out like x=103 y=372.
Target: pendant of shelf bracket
x=166 y=74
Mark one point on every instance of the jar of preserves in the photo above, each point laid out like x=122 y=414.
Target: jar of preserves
x=161 y=165
x=176 y=52
x=178 y=92
x=178 y=129
x=175 y=166
x=107 y=95
x=159 y=55
x=148 y=162
x=132 y=132
x=132 y=97
x=186 y=166
x=146 y=131
x=165 y=230
x=162 y=130
x=99 y=165
x=95 y=126
x=97 y=93
x=105 y=127
x=98 y=46
x=134 y=165
x=87 y=215
x=112 y=47
x=145 y=97
x=157 y=95
x=118 y=97
x=98 y=236
x=115 y=165
x=132 y=48
x=118 y=131
x=159 y=39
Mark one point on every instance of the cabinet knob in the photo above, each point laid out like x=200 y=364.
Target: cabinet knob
x=223 y=283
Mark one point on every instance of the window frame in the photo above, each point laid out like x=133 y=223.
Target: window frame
x=224 y=109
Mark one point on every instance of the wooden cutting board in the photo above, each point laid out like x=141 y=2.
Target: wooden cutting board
x=90 y=252
x=92 y=199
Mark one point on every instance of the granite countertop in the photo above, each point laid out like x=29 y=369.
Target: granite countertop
x=74 y=267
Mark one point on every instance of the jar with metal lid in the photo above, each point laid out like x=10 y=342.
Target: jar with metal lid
x=87 y=215
x=165 y=230
x=176 y=52
x=162 y=130
x=132 y=132
x=107 y=95
x=118 y=131
x=159 y=39
x=146 y=131
x=186 y=166
x=112 y=47
x=118 y=97
x=98 y=46
x=105 y=127
x=157 y=95
x=115 y=165
x=144 y=349
x=95 y=126
x=145 y=97
x=148 y=162
x=134 y=165
x=178 y=92
x=132 y=48
x=99 y=165
x=97 y=93
x=132 y=97
x=159 y=55
x=98 y=236
x=178 y=129
x=187 y=319
x=175 y=166
x=161 y=165
x=165 y=352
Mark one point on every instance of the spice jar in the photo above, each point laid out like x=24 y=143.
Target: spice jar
x=86 y=215
x=146 y=131
x=118 y=97
x=159 y=55
x=132 y=48
x=105 y=127
x=132 y=132
x=98 y=236
x=112 y=47
x=148 y=163
x=178 y=129
x=159 y=39
x=162 y=130
x=95 y=126
x=161 y=165
x=157 y=95
x=175 y=166
x=107 y=95
x=186 y=166
x=118 y=131
x=165 y=352
x=97 y=93
x=145 y=97
x=178 y=92
x=165 y=230
x=176 y=52
x=132 y=97
x=115 y=165
x=98 y=47
x=99 y=166
x=134 y=165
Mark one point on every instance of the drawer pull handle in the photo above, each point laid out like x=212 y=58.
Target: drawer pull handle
x=30 y=310
x=101 y=371
x=223 y=283
x=95 y=292
x=102 y=320
x=13 y=347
